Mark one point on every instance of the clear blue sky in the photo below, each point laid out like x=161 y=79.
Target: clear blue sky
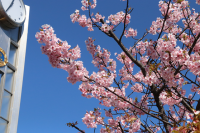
x=48 y=100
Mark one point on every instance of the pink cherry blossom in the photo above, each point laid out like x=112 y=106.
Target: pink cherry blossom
x=152 y=76
x=131 y=33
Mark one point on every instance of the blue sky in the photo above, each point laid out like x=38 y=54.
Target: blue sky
x=48 y=100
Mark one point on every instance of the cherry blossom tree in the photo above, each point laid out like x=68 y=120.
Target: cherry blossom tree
x=166 y=65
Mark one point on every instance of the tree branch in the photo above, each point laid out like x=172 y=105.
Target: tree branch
x=121 y=127
x=73 y=125
x=160 y=107
x=194 y=43
x=198 y=106
x=124 y=22
x=165 y=18
x=126 y=51
x=148 y=129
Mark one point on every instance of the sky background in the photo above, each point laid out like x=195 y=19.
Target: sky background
x=48 y=101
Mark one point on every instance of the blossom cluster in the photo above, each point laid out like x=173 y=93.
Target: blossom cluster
x=82 y=20
x=113 y=19
x=87 y=3
x=92 y=118
x=130 y=33
x=119 y=17
x=60 y=55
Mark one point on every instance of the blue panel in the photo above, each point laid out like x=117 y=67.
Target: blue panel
x=5 y=105
x=12 y=54
x=3 y=125
x=14 y=34
x=9 y=79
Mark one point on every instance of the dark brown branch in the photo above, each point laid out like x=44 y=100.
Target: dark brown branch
x=183 y=101
x=189 y=79
x=177 y=36
x=198 y=106
x=120 y=127
x=194 y=43
x=138 y=41
x=126 y=51
x=185 y=104
x=147 y=128
x=132 y=103
x=190 y=51
x=164 y=121
x=160 y=107
x=73 y=125
x=124 y=22
x=165 y=18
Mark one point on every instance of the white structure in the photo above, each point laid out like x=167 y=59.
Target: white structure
x=13 y=40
